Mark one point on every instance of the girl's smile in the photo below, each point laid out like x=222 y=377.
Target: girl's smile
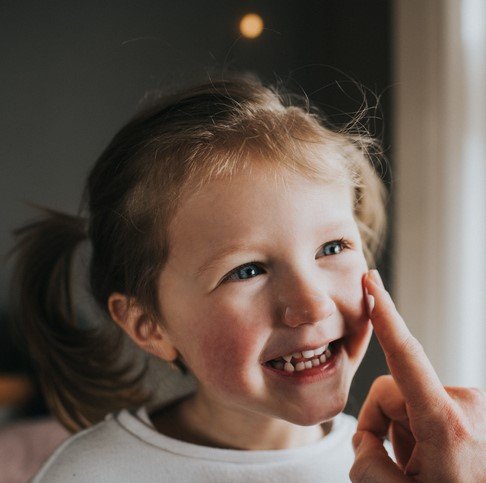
x=311 y=365
x=274 y=329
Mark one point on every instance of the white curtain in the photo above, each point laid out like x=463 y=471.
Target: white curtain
x=439 y=180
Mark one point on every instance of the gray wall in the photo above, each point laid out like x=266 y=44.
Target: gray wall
x=73 y=72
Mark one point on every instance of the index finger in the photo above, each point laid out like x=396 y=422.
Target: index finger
x=405 y=356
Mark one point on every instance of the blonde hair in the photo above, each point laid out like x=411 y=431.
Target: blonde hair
x=176 y=146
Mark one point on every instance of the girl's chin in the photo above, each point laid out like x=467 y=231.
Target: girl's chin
x=318 y=414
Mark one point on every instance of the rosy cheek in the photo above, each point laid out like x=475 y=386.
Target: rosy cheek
x=349 y=296
x=222 y=351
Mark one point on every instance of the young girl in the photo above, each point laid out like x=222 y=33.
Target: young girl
x=229 y=233
x=230 y=230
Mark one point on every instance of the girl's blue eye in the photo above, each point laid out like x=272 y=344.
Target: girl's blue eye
x=247 y=271
x=334 y=247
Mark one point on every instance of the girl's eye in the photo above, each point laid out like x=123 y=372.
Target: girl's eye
x=251 y=269
x=247 y=271
x=335 y=247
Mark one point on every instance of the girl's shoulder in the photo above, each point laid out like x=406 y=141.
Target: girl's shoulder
x=86 y=454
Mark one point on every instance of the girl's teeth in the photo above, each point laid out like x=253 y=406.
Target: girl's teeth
x=307 y=354
x=320 y=351
x=300 y=366
x=315 y=358
x=289 y=367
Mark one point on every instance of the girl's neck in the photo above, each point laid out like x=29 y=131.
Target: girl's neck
x=197 y=420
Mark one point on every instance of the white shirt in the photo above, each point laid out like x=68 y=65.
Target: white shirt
x=126 y=447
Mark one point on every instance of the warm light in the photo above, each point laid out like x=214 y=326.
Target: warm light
x=251 y=25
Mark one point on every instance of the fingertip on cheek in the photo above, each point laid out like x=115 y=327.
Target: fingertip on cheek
x=369 y=300
x=376 y=278
x=365 y=281
x=370 y=304
x=364 y=277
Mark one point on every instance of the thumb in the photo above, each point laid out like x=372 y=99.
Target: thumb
x=372 y=462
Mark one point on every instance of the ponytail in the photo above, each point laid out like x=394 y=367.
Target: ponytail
x=78 y=367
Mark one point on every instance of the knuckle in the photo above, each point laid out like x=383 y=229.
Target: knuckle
x=470 y=396
x=475 y=396
x=381 y=386
x=381 y=381
x=470 y=403
x=467 y=422
x=455 y=427
x=361 y=471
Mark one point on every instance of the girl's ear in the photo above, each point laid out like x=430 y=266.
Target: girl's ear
x=144 y=331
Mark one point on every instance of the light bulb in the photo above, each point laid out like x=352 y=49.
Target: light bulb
x=251 y=25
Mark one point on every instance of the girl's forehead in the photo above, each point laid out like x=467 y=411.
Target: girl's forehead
x=294 y=159
x=276 y=179
x=262 y=198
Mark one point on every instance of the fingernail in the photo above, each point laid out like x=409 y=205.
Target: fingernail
x=370 y=304
x=375 y=276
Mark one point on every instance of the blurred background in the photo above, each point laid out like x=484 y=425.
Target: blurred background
x=74 y=72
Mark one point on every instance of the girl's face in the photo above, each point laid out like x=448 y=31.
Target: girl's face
x=259 y=270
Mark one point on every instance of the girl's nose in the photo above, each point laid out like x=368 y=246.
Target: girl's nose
x=306 y=305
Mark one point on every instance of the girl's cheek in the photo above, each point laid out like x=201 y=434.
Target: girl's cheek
x=354 y=311
x=350 y=294
x=222 y=346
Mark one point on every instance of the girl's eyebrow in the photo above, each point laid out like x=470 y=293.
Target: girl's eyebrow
x=228 y=250
x=242 y=247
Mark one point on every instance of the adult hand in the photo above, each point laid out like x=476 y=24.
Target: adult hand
x=438 y=433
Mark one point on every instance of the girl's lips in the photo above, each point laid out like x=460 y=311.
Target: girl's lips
x=304 y=348
x=313 y=374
